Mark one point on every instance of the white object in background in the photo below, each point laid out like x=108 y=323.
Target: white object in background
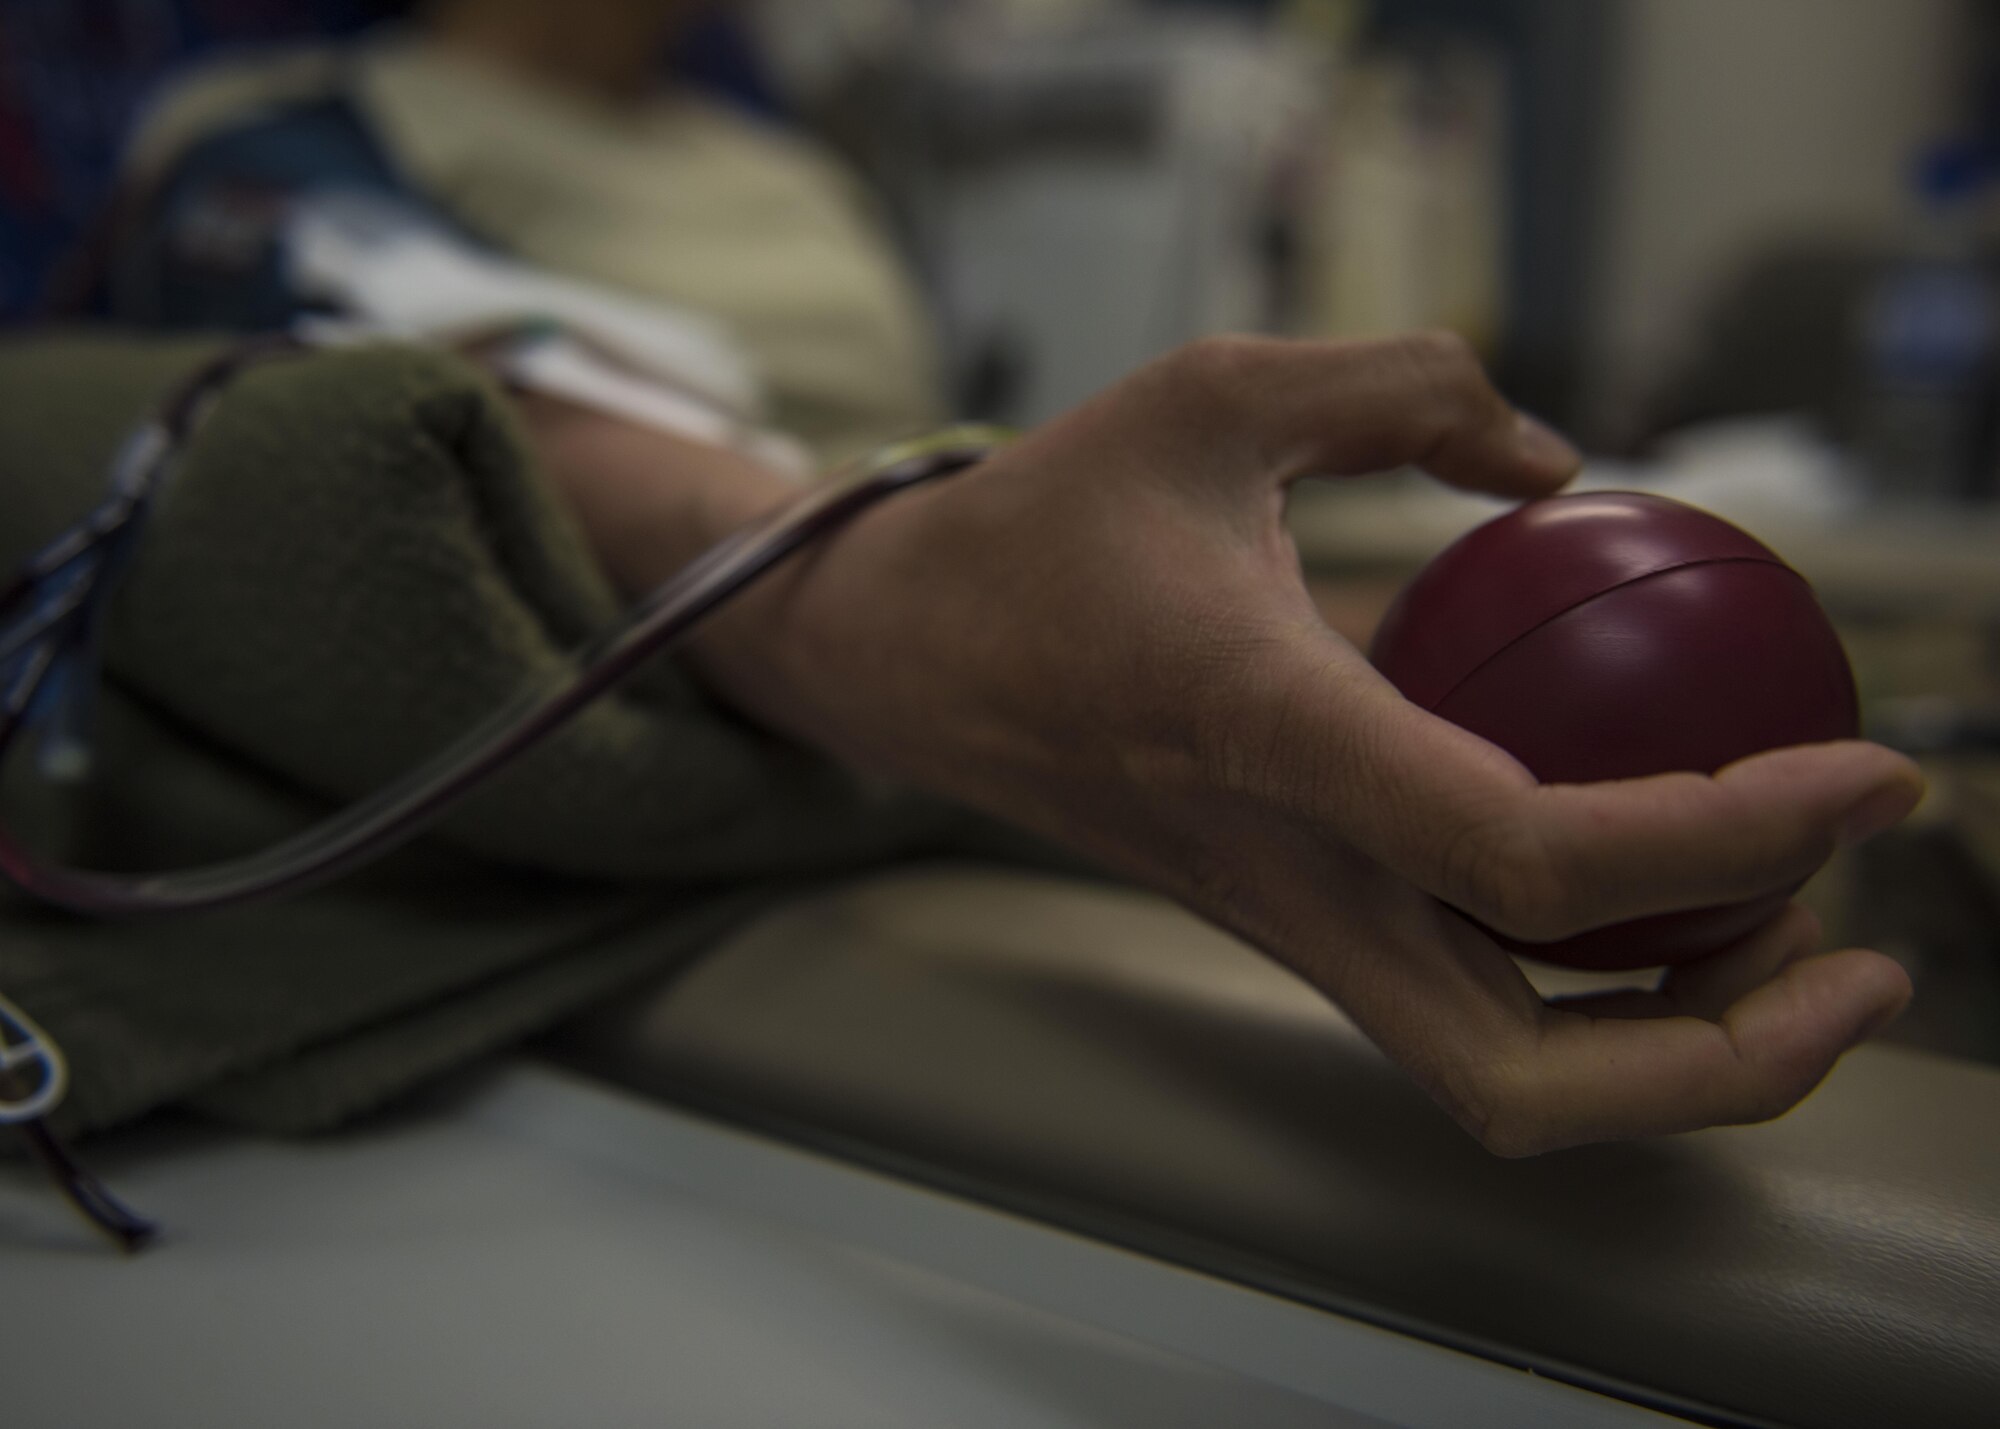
x=405 y=276
x=1746 y=470
x=394 y=274
x=557 y=365
x=813 y=46
x=1088 y=251
x=1409 y=231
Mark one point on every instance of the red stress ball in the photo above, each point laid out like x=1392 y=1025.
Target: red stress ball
x=1612 y=635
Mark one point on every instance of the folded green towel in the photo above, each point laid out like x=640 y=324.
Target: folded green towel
x=354 y=564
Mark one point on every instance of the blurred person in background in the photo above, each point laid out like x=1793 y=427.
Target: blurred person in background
x=1101 y=634
x=545 y=131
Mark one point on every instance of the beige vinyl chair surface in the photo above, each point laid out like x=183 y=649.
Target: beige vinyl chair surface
x=1101 y=1059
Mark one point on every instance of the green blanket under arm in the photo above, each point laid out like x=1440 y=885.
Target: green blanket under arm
x=357 y=561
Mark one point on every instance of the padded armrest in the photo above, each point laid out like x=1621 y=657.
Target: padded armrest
x=1096 y=1057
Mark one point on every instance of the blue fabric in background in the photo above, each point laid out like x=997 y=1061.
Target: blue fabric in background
x=74 y=73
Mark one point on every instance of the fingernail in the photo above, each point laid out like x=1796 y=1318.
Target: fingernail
x=1543 y=445
x=1879 y=812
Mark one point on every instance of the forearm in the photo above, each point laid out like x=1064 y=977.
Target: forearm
x=649 y=502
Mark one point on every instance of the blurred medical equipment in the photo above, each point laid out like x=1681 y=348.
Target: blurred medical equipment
x=33 y=1079
x=1088 y=199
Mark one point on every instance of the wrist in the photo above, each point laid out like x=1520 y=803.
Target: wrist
x=803 y=641
x=827 y=634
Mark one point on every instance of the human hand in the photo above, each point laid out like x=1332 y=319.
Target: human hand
x=1102 y=634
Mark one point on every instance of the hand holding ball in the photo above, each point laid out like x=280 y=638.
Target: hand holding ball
x=1613 y=636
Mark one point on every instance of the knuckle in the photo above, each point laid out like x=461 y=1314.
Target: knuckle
x=1502 y=1112
x=1444 y=349
x=1499 y=870
x=1447 y=367
x=1778 y=1085
x=1211 y=366
x=1447 y=359
x=1513 y=1138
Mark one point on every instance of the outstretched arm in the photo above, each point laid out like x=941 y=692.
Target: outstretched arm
x=1102 y=634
